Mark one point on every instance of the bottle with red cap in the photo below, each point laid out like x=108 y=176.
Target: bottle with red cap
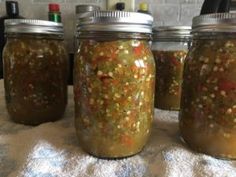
x=54 y=13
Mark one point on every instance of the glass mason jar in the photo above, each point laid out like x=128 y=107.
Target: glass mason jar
x=208 y=104
x=114 y=77
x=35 y=71
x=170 y=46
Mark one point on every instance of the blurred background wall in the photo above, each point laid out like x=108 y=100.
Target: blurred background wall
x=165 y=12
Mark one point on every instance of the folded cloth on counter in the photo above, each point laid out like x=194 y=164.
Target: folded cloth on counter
x=52 y=150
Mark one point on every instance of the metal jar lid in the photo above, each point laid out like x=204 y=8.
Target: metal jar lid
x=116 y=21
x=33 y=26
x=86 y=8
x=171 y=32
x=218 y=22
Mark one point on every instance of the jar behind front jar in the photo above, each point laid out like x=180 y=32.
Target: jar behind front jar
x=208 y=105
x=35 y=71
x=114 y=85
x=169 y=47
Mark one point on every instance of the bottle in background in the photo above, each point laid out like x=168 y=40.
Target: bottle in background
x=143 y=8
x=120 y=6
x=12 y=11
x=54 y=13
x=129 y=5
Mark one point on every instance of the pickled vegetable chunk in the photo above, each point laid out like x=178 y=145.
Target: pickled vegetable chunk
x=114 y=100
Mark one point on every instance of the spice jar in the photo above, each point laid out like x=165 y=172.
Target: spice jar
x=35 y=71
x=114 y=77
x=170 y=47
x=85 y=8
x=80 y=11
x=208 y=104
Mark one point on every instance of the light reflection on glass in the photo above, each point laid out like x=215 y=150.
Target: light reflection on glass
x=139 y=63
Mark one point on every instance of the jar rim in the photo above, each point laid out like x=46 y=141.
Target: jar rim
x=33 y=26
x=100 y=35
x=116 y=21
x=85 y=8
x=216 y=22
x=177 y=33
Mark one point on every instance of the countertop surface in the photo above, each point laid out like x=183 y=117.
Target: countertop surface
x=52 y=150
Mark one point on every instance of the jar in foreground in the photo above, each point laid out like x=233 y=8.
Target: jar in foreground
x=35 y=71
x=169 y=47
x=208 y=104
x=114 y=79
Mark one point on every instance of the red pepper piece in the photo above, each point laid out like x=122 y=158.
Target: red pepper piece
x=27 y=89
x=175 y=62
x=115 y=82
x=105 y=78
x=138 y=50
x=227 y=85
x=127 y=140
x=202 y=88
x=100 y=59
